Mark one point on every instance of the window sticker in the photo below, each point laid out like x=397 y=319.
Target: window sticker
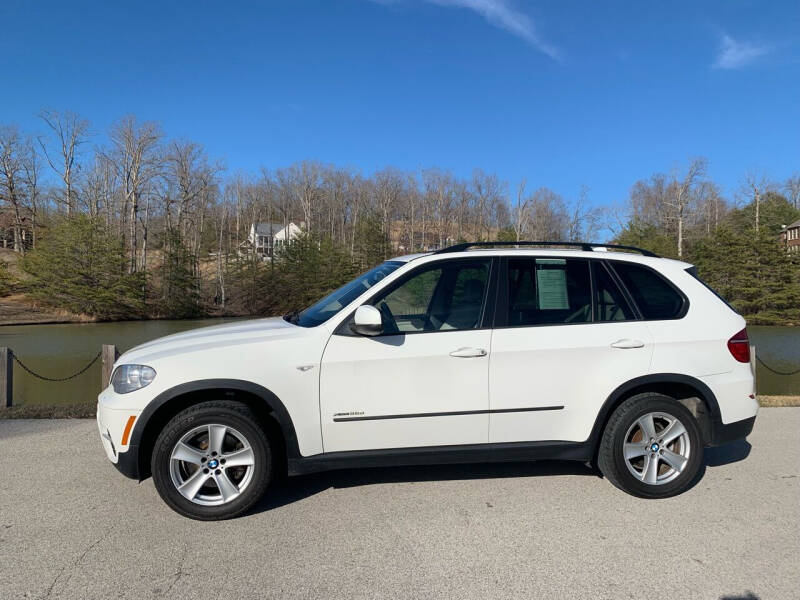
x=551 y=284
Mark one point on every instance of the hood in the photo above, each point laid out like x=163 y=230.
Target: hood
x=215 y=337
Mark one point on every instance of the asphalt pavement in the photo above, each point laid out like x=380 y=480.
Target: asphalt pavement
x=72 y=527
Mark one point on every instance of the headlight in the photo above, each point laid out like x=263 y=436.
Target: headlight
x=128 y=378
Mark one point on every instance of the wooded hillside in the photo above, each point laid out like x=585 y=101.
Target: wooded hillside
x=133 y=224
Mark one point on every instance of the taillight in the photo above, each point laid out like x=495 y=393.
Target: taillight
x=739 y=346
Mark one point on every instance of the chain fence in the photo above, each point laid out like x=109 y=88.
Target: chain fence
x=56 y=379
x=99 y=354
x=776 y=371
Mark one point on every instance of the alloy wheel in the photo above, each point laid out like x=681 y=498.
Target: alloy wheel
x=656 y=448
x=212 y=464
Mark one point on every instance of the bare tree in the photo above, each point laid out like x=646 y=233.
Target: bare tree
x=755 y=186
x=711 y=206
x=11 y=179
x=440 y=197
x=792 y=188
x=584 y=220
x=98 y=187
x=30 y=166
x=302 y=183
x=193 y=175
x=680 y=196
x=220 y=266
x=70 y=132
x=521 y=214
x=487 y=192
x=389 y=187
x=648 y=202
x=135 y=154
x=548 y=216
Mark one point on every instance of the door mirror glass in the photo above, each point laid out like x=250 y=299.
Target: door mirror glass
x=367 y=321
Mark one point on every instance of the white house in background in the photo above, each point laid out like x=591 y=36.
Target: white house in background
x=265 y=238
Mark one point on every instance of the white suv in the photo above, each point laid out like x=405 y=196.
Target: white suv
x=473 y=353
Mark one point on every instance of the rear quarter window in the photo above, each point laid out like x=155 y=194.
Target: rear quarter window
x=693 y=272
x=656 y=298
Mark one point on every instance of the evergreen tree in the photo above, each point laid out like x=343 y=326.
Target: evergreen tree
x=180 y=297
x=775 y=212
x=371 y=243
x=244 y=283
x=305 y=271
x=6 y=279
x=648 y=237
x=506 y=234
x=753 y=272
x=81 y=267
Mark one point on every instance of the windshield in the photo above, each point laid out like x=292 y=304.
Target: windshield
x=338 y=299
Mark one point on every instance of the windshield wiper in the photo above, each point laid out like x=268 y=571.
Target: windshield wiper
x=292 y=317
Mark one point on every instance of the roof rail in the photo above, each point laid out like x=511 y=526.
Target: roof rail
x=587 y=246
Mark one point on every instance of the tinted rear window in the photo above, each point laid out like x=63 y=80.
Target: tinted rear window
x=655 y=297
x=548 y=291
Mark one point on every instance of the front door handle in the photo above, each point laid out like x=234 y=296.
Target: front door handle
x=469 y=353
x=628 y=344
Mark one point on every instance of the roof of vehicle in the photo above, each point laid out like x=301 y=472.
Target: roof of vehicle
x=597 y=252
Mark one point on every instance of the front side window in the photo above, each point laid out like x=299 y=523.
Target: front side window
x=656 y=299
x=438 y=297
x=548 y=291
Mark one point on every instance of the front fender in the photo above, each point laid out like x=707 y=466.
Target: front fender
x=131 y=465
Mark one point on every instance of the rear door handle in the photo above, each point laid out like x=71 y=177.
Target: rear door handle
x=628 y=344
x=468 y=353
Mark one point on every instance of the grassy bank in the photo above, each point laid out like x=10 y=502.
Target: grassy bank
x=778 y=401
x=87 y=410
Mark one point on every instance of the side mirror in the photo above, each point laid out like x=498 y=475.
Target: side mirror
x=367 y=321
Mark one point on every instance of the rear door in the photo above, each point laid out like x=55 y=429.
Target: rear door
x=566 y=335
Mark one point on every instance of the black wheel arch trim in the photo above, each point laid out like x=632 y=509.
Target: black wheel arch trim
x=273 y=403
x=621 y=391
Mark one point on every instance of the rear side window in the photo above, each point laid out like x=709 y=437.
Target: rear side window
x=548 y=291
x=609 y=302
x=656 y=298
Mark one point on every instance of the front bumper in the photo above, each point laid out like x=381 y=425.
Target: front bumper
x=115 y=427
x=722 y=433
x=128 y=463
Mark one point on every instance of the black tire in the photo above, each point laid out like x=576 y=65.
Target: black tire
x=611 y=459
x=222 y=412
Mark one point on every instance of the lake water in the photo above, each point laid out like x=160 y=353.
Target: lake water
x=60 y=350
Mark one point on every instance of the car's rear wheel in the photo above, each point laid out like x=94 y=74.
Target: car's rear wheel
x=212 y=461
x=652 y=447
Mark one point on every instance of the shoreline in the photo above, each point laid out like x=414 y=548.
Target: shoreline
x=86 y=320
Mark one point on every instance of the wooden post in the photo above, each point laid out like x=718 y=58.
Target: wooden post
x=110 y=356
x=6 y=376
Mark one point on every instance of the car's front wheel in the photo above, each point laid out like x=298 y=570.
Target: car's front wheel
x=652 y=447
x=212 y=461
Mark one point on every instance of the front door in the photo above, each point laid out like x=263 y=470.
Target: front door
x=424 y=380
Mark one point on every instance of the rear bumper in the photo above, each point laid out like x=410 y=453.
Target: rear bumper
x=722 y=433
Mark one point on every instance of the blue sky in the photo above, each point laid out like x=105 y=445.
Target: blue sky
x=563 y=93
